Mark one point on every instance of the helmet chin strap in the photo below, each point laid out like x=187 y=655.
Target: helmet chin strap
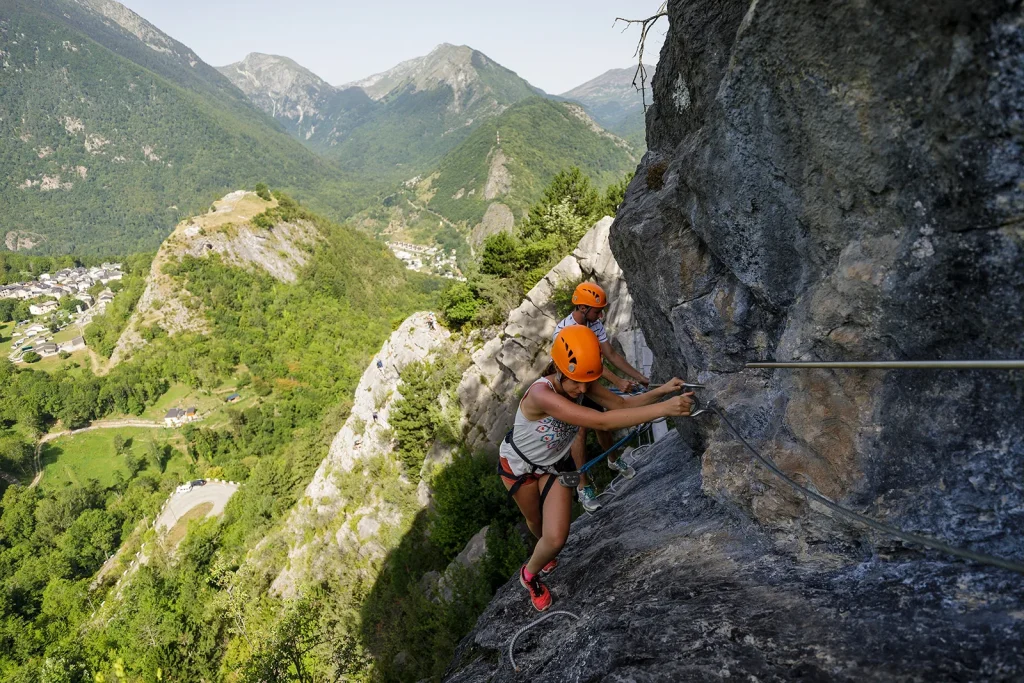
x=559 y=376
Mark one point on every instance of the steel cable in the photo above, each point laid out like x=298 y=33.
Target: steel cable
x=868 y=521
x=533 y=623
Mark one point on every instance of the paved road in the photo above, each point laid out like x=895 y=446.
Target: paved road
x=216 y=492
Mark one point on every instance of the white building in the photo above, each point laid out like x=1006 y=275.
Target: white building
x=43 y=308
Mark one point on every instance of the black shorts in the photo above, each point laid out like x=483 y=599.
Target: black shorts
x=591 y=403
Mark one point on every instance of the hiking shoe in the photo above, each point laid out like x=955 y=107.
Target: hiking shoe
x=540 y=596
x=588 y=498
x=622 y=467
x=549 y=567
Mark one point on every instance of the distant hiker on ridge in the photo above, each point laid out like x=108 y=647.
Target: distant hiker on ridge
x=546 y=424
x=589 y=302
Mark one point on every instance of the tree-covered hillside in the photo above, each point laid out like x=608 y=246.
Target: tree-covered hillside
x=105 y=145
x=296 y=351
x=429 y=105
x=538 y=139
x=613 y=101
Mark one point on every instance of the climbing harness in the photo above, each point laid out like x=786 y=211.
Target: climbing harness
x=868 y=521
x=531 y=476
x=533 y=623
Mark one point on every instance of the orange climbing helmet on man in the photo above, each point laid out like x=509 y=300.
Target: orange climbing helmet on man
x=589 y=294
x=577 y=354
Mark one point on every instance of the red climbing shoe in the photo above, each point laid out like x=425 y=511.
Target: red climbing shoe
x=549 y=567
x=540 y=596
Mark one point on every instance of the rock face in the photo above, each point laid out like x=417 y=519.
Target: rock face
x=225 y=231
x=672 y=586
x=833 y=186
x=498 y=218
x=830 y=185
x=329 y=522
x=309 y=107
x=507 y=363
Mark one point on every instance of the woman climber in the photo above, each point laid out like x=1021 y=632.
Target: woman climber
x=548 y=418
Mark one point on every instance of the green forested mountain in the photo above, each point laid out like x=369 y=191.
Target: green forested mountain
x=532 y=141
x=111 y=132
x=491 y=179
x=613 y=101
x=295 y=350
x=409 y=117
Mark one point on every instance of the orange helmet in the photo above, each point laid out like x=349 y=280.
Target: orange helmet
x=589 y=294
x=577 y=353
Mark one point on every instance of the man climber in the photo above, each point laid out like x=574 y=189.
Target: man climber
x=589 y=302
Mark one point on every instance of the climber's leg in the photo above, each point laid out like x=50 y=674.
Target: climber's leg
x=557 y=517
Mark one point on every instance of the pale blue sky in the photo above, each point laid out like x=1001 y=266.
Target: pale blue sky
x=554 y=44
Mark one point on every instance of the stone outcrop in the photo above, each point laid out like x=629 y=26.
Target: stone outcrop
x=670 y=585
x=834 y=186
x=505 y=365
x=225 y=231
x=497 y=218
x=329 y=522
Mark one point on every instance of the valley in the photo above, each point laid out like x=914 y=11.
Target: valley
x=269 y=324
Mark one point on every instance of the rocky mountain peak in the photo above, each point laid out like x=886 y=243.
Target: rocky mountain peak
x=459 y=67
x=273 y=75
x=284 y=89
x=131 y=22
x=612 y=84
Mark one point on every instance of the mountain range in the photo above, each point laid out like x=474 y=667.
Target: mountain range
x=111 y=131
x=613 y=100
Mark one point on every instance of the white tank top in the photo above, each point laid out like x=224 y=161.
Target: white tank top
x=544 y=441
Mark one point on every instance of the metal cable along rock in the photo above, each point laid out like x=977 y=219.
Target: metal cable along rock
x=868 y=521
x=643 y=452
x=533 y=623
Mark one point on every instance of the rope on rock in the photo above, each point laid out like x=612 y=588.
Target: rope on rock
x=533 y=623
x=868 y=521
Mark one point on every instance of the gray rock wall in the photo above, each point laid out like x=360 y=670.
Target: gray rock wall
x=670 y=585
x=842 y=181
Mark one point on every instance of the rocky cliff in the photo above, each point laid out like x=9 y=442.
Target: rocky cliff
x=518 y=353
x=670 y=585
x=833 y=185
x=226 y=231
x=347 y=517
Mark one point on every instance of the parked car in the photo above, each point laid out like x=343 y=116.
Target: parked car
x=184 y=488
x=197 y=482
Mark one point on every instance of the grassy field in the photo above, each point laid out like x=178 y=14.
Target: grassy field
x=211 y=405
x=91 y=455
x=55 y=362
x=67 y=334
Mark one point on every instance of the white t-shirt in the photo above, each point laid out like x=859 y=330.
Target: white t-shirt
x=597 y=327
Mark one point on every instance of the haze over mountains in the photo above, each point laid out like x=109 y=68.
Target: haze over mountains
x=111 y=130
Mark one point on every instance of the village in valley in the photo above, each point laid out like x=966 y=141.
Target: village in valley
x=434 y=260
x=51 y=331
